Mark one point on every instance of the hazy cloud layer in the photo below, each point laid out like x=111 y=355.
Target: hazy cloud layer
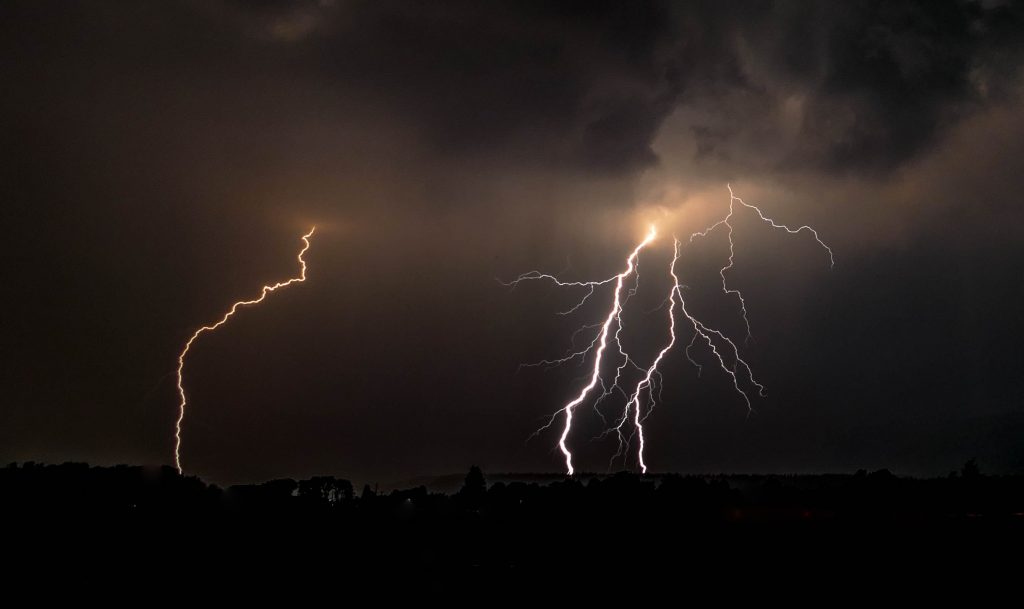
x=860 y=86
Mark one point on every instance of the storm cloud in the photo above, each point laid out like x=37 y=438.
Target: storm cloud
x=160 y=160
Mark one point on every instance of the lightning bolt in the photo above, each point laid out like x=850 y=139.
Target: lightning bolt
x=601 y=341
x=700 y=330
x=722 y=348
x=267 y=289
x=727 y=223
x=648 y=380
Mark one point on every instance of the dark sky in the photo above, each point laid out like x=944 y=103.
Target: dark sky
x=160 y=160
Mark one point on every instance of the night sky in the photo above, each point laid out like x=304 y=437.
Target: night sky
x=160 y=160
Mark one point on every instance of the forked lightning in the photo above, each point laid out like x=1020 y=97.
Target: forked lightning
x=642 y=399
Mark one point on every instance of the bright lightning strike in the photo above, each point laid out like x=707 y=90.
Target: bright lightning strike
x=647 y=383
x=602 y=339
x=267 y=289
x=642 y=399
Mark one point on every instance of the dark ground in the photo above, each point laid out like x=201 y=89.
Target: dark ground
x=869 y=527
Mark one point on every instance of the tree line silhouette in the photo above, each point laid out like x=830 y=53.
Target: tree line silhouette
x=39 y=488
x=588 y=517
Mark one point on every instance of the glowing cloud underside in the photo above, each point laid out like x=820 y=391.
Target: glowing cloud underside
x=641 y=400
x=267 y=289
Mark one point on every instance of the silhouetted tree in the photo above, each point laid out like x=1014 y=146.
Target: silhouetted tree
x=367 y=493
x=474 y=489
x=970 y=470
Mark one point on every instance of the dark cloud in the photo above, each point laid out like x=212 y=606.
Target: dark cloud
x=575 y=84
x=588 y=84
x=846 y=87
x=860 y=86
x=896 y=76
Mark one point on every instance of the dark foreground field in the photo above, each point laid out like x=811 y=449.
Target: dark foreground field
x=861 y=526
